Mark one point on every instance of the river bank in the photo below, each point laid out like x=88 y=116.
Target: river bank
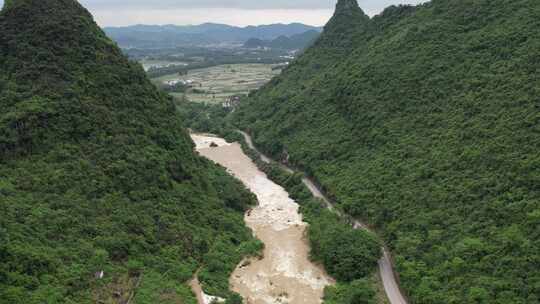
x=285 y=274
x=387 y=275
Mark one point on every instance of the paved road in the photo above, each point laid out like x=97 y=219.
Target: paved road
x=386 y=270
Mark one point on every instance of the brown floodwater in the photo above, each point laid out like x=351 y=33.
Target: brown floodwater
x=285 y=274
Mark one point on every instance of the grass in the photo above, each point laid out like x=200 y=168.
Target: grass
x=217 y=84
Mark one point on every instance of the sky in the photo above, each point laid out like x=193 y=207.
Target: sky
x=233 y=12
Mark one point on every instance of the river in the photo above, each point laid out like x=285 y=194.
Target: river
x=285 y=274
x=386 y=270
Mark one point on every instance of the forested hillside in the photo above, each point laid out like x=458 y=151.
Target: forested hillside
x=425 y=122
x=97 y=176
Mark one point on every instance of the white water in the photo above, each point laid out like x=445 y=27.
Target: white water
x=285 y=274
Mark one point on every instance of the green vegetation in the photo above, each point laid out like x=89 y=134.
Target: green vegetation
x=180 y=60
x=357 y=292
x=346 y=253
x=218 y=83
x=97 y=174
x=8 y=3
x=426 y=124
x=207 y=118
x=183 y=70
x=349 y=255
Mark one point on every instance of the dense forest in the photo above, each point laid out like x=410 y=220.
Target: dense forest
x=424 y=121
x=102 y=198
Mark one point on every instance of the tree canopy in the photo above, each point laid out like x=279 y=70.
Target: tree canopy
x=97 y=173
x=426 y=124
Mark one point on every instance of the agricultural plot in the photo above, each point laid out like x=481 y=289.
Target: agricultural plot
x=217 y=84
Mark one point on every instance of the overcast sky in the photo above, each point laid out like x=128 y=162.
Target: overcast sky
x=234 y=12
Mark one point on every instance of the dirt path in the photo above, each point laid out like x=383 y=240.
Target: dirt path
x=285 y=274
x=386 y=270
x=202 y=298
x=197 y=290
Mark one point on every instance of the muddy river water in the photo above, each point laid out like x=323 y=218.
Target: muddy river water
x=285 y=273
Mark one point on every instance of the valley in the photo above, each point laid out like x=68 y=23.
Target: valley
x=389 y=157
x=284 y=272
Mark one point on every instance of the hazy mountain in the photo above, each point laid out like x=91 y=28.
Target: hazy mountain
x=294 y=42
x=151 y=36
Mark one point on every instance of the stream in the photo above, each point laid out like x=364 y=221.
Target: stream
x=285 y=274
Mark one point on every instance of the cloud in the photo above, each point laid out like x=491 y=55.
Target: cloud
x=239 y=17
x=234 y=12
x=374 y=5
x=197 y=4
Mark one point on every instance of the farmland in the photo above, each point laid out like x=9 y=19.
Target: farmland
x=218 y=83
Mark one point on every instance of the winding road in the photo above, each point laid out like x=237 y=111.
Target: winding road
x=386 y=270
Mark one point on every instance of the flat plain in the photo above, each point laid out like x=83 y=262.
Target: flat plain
x=216 y=84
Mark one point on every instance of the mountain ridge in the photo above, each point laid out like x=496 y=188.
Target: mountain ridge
x=208 y=33
x=423 y=120
x=294 y=42
x=101 y=192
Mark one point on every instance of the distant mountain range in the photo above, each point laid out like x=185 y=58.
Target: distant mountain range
x=157 y=36
x=294 y=42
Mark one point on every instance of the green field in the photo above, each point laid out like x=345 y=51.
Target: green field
x=216 y=84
